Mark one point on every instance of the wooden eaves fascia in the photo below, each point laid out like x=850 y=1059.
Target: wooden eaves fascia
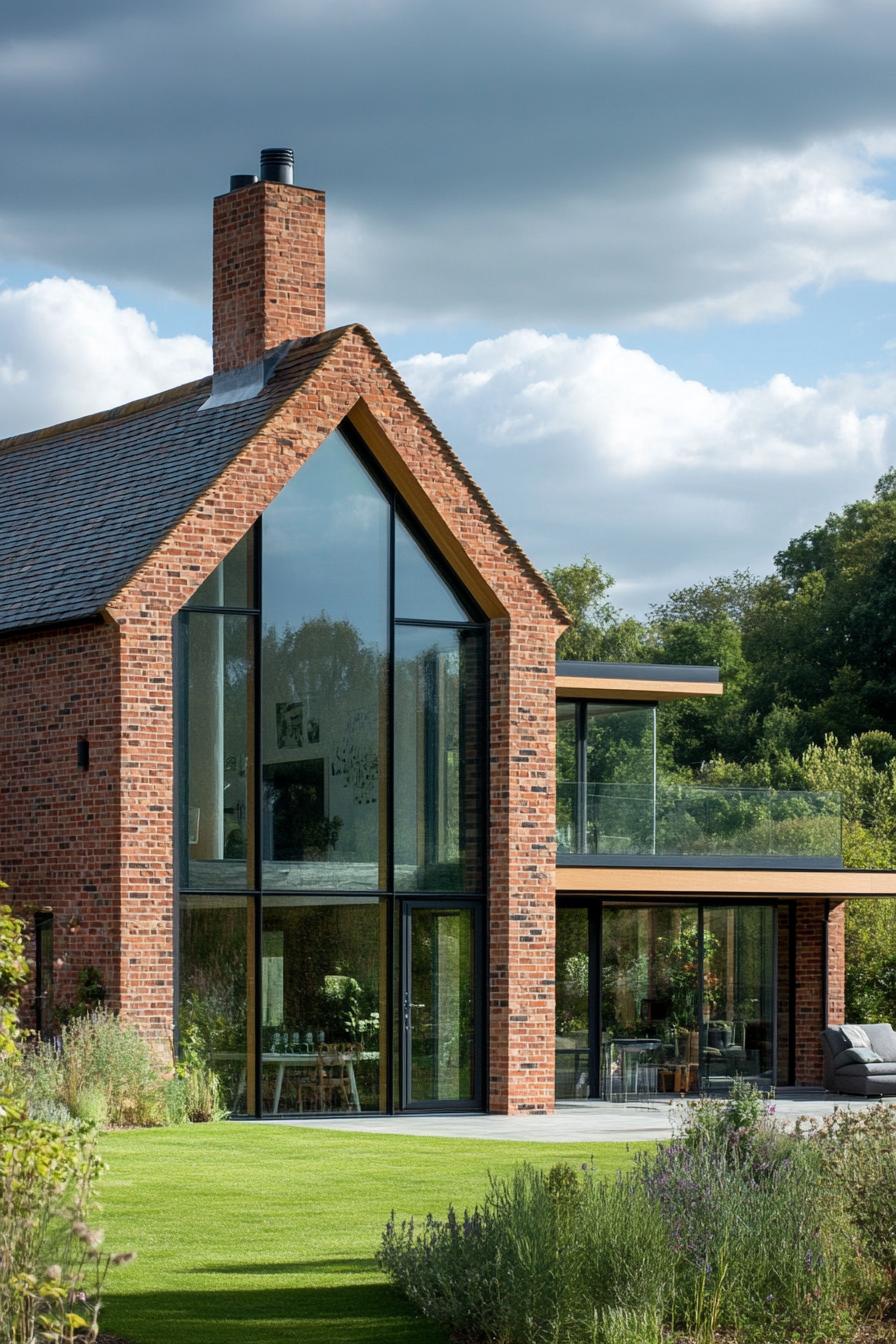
x=632 y=688
x=836 y=884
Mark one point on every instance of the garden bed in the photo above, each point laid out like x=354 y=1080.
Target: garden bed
x=737 y=1232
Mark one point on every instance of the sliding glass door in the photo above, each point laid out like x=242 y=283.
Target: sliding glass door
x=739 y=994
x=664 y=999
x=650 y=999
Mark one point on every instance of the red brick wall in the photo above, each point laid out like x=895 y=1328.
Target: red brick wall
x=522 y=717
x=59 y=841
x=268 y=272
x=813 y=1011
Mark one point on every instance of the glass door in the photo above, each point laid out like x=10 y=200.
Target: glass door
x=575 y=968
x=667 y=999
x=440 y=1006
x=650 y=1000
x=738 y=995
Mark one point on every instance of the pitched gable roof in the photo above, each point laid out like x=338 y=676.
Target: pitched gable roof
x=86 y=502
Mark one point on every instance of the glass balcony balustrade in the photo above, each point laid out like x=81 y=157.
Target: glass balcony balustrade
x=683 y=819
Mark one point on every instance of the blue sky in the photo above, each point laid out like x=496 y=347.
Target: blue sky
x=639 y=260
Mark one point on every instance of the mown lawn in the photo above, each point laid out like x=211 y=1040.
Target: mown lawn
x=254 y=1234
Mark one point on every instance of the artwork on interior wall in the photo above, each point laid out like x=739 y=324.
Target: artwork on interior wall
x=290 y=725
x=298 y=724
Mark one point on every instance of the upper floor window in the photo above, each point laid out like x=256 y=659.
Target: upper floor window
x=606 y=777
x=333 y=700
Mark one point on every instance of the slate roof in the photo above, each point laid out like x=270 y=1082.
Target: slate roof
x=83 y=504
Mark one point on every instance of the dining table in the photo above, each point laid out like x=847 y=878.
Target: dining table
x=292 y=1059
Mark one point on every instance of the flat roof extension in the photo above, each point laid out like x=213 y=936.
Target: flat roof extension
x=635 y=681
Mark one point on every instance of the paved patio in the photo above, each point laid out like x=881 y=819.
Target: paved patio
x=573 y=1121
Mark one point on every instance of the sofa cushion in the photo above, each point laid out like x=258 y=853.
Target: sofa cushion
x=883 y=1039
x=859 y=1056
x=881 y=1070
x=845 y=1038
x=855 y=1036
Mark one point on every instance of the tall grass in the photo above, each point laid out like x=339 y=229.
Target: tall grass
x=100 y=1070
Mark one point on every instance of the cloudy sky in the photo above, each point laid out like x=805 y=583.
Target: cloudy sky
x=639 y=259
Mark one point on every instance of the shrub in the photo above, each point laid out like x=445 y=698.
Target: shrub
x=734 y=1230
x=52 y=1266
x=858 y=1152
x=200 y=1084
x=193 y=1096
x=760 y=1241
x=101 y=1070
x=107 y=1072
x=545 y=1259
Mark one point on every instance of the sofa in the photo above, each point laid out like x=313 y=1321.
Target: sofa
x=860 y=1059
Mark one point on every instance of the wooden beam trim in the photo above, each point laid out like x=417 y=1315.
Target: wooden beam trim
x=423 y=509
x=842 y=884
x=617 y=688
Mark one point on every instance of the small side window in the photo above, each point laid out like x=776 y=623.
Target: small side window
x=43 y=1003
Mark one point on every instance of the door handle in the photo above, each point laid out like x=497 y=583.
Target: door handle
x=407 y=1012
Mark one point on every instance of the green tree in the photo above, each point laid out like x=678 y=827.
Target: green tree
x=820 y=633
x=600 y=632
x=730 y=595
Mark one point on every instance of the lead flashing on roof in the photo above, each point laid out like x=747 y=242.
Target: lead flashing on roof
x=243 y=384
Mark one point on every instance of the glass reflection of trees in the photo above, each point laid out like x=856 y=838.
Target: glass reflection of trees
x=323 y=757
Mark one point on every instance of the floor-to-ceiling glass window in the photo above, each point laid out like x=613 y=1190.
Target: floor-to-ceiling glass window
x=650 y=999
x=606 y=777
x=620 y=773
x=332 y=683
x=324 y=658
x=738 y=994
x=574 y=969
x=667 y=998
x=323 y=990
x=441 y=951
x=216 y=1011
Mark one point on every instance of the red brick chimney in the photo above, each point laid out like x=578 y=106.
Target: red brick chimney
x=268 y=264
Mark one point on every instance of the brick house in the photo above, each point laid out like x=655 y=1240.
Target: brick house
x=286 y=756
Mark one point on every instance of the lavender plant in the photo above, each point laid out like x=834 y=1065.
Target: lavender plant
x=858 y=1152
x=732 y=1231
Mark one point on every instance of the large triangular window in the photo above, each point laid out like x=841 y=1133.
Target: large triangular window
x=326 y=746
x=421 y=593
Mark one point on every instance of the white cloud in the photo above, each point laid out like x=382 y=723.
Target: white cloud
x=585 y=445
x=770 y=225
x=745 y=13
x=68 y=349
x=32 y=63
x=739 y=235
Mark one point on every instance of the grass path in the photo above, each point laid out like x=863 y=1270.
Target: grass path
x=255 y=1234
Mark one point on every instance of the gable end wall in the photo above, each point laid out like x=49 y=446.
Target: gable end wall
x=521 y=841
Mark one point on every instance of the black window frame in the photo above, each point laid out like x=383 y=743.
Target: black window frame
x=594 y=907
x=396 y=900
x=43 y=922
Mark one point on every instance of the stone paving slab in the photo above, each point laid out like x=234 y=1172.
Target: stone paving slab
x=572 y=1122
